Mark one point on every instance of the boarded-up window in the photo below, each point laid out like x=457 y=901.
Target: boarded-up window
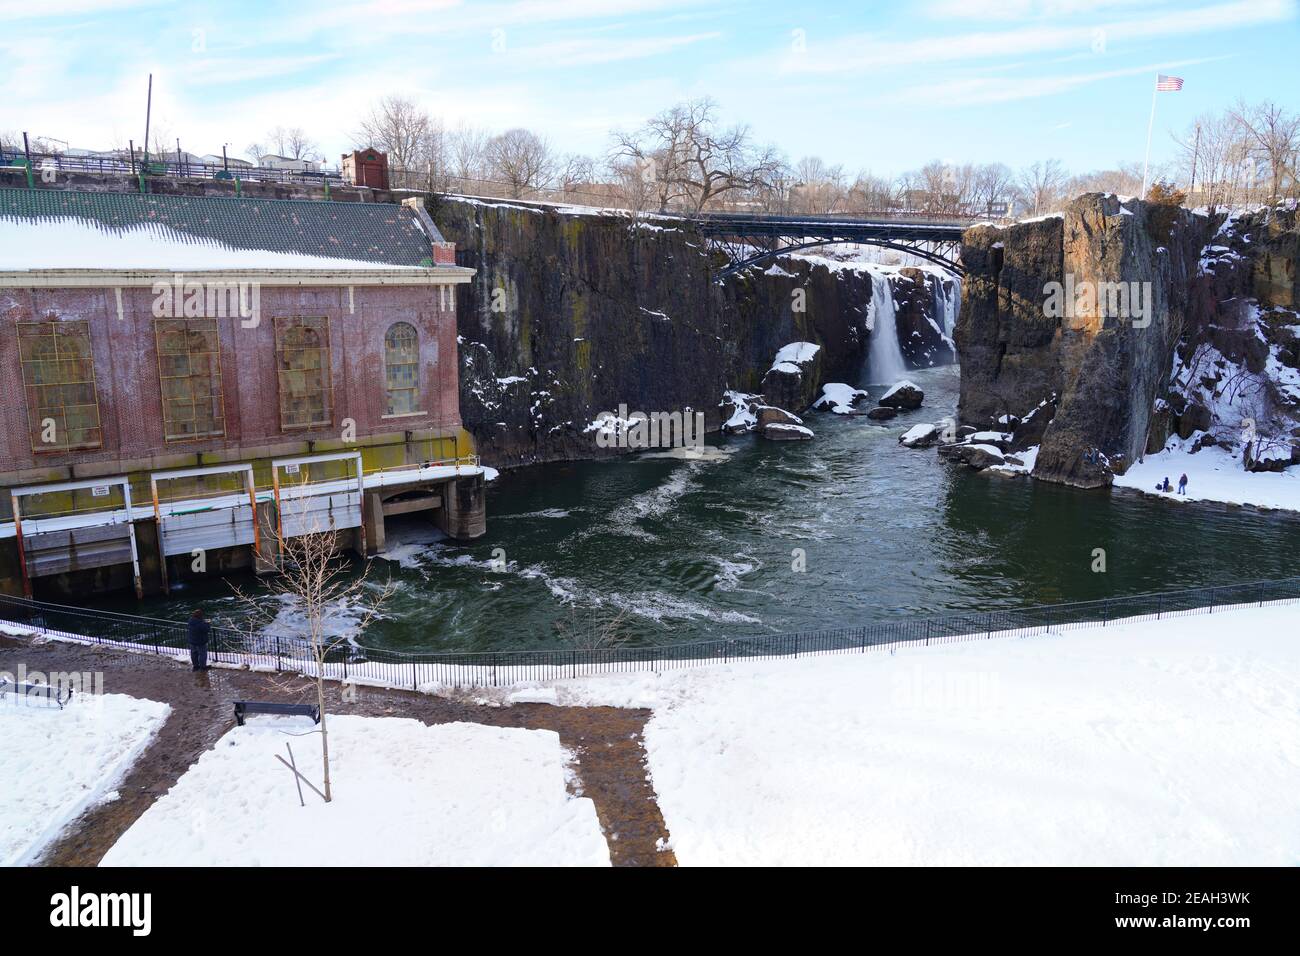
x=189 y=368
x=59 y=379
x=302 y=352
x=402 y=369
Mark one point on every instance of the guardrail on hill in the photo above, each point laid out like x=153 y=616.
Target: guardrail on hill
x=504 y=668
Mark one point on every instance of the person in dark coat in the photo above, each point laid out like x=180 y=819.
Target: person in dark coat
x=199 y=629
x=1182 y=485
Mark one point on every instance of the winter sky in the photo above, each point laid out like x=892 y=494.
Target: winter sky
x=881 y=85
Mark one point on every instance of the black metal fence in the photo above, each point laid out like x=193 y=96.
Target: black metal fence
x=503 y=668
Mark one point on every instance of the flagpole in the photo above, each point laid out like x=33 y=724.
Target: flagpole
x=1150 y=126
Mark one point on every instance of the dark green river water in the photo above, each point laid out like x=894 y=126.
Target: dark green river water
x=662 y=549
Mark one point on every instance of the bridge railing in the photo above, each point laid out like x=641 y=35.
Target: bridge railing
x=428 y=670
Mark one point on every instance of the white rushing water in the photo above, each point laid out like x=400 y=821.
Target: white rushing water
x=885 y=364
x=948 y=302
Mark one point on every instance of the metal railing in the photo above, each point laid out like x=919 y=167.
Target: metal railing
x=123 y=165
x=467 y=669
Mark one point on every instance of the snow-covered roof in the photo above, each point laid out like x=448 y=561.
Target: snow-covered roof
x=58 y=229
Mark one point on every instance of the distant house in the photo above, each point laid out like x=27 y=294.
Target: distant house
x=273 y=161
x=216 y=159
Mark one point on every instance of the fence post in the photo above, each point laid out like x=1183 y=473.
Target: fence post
x=278 y=665
x=927 y=632
x=1160 y=603
x=1260 y=588
x=1211 y=600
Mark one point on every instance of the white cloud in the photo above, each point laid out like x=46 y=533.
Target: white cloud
x=869 y=52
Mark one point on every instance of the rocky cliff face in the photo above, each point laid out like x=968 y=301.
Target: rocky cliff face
x=571 y=315
x=1126 y=322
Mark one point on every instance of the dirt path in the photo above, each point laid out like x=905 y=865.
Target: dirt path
x=607 y=741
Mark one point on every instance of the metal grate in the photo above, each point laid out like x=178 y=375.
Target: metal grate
x=302 y=352
x=59 y=381
x=189 y=372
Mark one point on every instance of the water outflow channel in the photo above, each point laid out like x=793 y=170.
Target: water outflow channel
x=674 y=549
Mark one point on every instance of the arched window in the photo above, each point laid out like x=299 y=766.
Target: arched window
x=402 y=368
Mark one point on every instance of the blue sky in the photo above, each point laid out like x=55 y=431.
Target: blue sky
x=872 y=85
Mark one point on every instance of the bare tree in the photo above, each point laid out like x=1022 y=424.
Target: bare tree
x=992 y=184
x=870 y=193
x=595 y=629
x=467 y=151
x=1124 y=180
x=634 y=184
x=577 y=172
x=294 y=143
x=695 y=161
x=818 y=188
x=521 y=159
x=404 y=130
x=314 y=578
x=1276 y=134
x=1040 y=185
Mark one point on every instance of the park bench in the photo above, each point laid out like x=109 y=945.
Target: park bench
x=48 y=691
x=245 y=707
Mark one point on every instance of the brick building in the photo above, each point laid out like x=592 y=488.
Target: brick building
x=148 y=334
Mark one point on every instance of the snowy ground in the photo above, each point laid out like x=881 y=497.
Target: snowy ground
x=1213 y=475
x=56 y=764
x=1174 y=742
x=405 y=794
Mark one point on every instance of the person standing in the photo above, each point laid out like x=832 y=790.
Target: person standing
x=1182 y=485
x=198 y=633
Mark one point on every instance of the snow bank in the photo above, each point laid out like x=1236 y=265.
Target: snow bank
x=79 y=244
x=1173 y=742
x=57 y=764
x=405 y=794
x=1212 y=475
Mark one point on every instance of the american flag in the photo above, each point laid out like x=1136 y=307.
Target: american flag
x=1168 y=84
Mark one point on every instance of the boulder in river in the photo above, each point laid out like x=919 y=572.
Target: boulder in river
x=976 y=456
x=920 y=436
x=782 y=431
x=882 y=413
x=771 y=415
x=839 y=398
x=904 y=395
x=792 y=379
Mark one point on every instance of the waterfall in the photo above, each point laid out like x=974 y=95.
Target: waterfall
x=885 y=364
x=949 y=303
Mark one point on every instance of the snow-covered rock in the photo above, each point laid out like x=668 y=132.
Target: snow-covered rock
x=839 y=398
x=781 y=431
x=905 y=395
x=920 y=436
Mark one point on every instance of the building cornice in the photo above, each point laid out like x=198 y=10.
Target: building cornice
x=268 y=278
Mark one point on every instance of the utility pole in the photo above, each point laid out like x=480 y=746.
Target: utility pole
x=148 y=111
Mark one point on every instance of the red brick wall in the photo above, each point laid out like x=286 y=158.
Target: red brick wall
x=126 y=369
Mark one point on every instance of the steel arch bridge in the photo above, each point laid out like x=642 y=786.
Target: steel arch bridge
x=749 y=239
